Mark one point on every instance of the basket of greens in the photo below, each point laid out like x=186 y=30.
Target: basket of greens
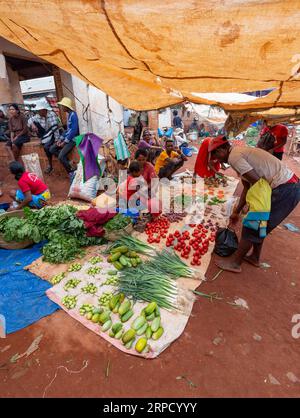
x=14 y=231
x=118 y=226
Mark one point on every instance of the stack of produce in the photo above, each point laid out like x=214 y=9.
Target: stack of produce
x=58 y=224
x=157 y=229
x=193 y=242
x=149 y=283
x=122 y=257
x=146 y=326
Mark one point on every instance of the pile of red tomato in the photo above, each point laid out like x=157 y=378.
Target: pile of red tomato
x=157 y=229
x=194 y=242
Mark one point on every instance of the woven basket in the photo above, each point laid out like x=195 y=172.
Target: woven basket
x=13 y=245
x=115 y=235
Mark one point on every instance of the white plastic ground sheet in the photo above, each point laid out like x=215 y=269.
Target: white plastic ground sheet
x=173 y=322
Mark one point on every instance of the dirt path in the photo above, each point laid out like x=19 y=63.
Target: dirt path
x=224 y=351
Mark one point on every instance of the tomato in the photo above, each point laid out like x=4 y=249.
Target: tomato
x=171 y=235
x=188 y=248
x=198 y=263
x=205 y=231
x=168 y=244
x=193 y=263
x=199 y=226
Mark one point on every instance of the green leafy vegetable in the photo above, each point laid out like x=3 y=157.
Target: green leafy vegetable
x=117 y=222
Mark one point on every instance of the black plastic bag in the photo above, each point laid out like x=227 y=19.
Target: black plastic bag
x=226 y=242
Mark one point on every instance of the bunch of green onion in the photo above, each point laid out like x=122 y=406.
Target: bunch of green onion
x=145 y=283
x=169 y=262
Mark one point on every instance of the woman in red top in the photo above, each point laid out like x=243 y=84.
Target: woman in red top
x=33 y=191
x=204 y=166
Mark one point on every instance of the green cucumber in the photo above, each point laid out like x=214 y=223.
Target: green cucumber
x=138 y=322
x=155 y=324
x=148 y=332
x=115 y=256
x=142 y=329
x=106 y=325
x=125 y=306
x=150 y=317
x=119 y=334
x=123 y=261
x=127 y=315
x=129 y=344
x=156 y=335
x=117 y=327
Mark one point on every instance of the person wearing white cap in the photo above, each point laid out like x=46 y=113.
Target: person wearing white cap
x=46 y=124
x=63 y=147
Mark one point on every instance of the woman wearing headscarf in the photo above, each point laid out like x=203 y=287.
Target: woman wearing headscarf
x=204 y=165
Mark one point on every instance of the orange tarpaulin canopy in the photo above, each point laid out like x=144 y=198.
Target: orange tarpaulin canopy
x=150 y=54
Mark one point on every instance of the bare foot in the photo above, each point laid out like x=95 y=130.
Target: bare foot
x=228 y=266
x=252 y=260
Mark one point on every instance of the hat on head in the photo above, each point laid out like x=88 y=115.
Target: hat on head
x=67 y=102
x=42 y=104
x=216 y=142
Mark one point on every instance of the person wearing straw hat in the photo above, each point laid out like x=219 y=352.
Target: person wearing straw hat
x=65 y=145
x=46 y=124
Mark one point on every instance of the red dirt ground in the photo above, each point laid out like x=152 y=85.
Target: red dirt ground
x=235 y=364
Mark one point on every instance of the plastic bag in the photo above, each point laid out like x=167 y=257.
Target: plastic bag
x=32 y=164
x=84 y=191
x=226 y=242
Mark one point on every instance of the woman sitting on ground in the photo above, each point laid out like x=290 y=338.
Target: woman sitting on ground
x=33 y=191
x=150 y=145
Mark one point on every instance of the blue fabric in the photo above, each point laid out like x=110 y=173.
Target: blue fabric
x=168 y=133
x=72 y=128
x=257 y=216
x=36 y=202
x=23 y=300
